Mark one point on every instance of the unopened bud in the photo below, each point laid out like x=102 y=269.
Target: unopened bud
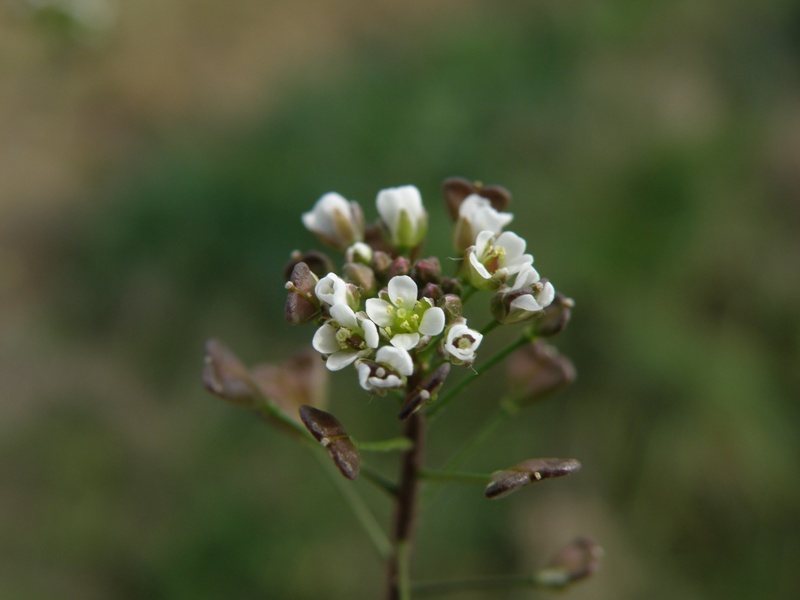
x=302 y=304
x=427 y=270
x=400 y=266
x=531 y=471
x=362 y=276
x=225 y=376
x=425 y=391
x=359 y=252
x=381 y=261
x=432 y=291
x=452 y=306
x=577 y=560
x=329 y=432
x=555 y=318
x=452 y=285
x=537 y=370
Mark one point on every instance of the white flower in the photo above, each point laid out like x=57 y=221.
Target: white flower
x=402 y=212
x=404 y=319
x=388 y=371
x=335 y=221
x=476 y=214
x=461 y=342
x=493 y=259
x=332 y=289
x=346 y=337
x=525 y=299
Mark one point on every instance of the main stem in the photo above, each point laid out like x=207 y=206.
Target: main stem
x=398 y=577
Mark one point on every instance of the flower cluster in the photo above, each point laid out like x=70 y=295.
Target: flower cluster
x=389 y=314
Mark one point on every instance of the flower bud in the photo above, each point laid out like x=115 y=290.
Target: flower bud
x=381 y=262
x=427 y=270
x=359 y=252
x=555 y=317
x=578 y=560
x=452 y=285
x=537 y=370
x=400 y=266
x=361 y=276
x=432 y=291
x=329 y=432
x=425 y=391
x=403 y=216
x=451 y=304
x=335 y=221
x=531 y=471
x=302 y=304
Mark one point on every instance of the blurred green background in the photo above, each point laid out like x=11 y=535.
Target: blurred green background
x=155 y=161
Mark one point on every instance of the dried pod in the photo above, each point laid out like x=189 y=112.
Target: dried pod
x=424 y=392
x=555 y=317
x=329 y=432
x=537 y=370
x=577 y=560
x=456 y=189
x=531 y=471
x=225 y=376
x=318 y=263
x=302 y=305
x=302 y=379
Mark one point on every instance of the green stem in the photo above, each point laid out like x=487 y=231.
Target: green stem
x=357 y=505
x=486 y=366
x=454 y=476
x=379 y=480
x=435 y=587
x=390 y=445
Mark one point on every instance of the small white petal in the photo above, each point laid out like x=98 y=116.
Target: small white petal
x=482 y=240
x=344 y=316
x=370 y=330
x=341 y=359
x=363 y=375
x=526 y=303
x=403 y=288
x=397 y=358
x=514 y=245
x=379 y=311
x=547 y=295
x=526 y=276
x=518 y=263
x=482 y=216
x=481 y=270
x=331 y=289
x=432 y=321
x=406 y=341
x=324 y=340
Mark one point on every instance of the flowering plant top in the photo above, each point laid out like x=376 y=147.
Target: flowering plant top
x=389 y=313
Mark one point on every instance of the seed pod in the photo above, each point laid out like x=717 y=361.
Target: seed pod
x=302 y=304
x=577 y=560
x=225 y=376
x=555 y=317
x=537 y=370
x=329 y=432
x=425 y=391
x=531 y=471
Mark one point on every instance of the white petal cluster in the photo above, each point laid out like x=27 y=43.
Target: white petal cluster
x=388 y=371
x=460 y=343
x=476 y=214
x=335 y=221
x=403 y=319
x=346 y=337
x=494 y=258
x=542 y=294
x=403 y=215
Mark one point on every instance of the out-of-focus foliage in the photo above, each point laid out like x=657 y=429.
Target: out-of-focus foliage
x=652 y=150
